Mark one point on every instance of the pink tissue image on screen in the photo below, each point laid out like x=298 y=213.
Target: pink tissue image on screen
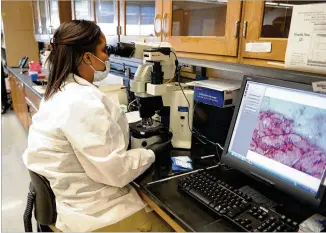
x=275 y=138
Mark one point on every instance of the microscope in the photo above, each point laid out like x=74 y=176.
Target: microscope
x=154 y=93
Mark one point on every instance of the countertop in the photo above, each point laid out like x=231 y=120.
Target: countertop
x=25 y=79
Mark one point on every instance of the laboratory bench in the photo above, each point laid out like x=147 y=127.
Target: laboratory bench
x=158 y=186
x=26 y=94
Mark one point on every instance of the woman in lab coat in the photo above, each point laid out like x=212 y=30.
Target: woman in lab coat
x=79 y=138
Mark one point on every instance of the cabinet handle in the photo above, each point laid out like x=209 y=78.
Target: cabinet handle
x=119 y=30
x=236 y=29
x=244 y=30
x=165 y=19
x=158 y=17
x=51 y=29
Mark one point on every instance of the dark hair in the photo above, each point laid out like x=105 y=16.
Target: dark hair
x=69 y=43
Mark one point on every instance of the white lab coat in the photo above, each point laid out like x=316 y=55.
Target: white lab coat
x=78 y=141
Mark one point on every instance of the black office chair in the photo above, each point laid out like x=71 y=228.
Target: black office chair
x=42 y=198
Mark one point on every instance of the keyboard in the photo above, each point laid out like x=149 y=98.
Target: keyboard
x=234 y=205
x=257 y=197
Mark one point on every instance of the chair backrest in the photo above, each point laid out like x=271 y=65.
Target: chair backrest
x=45 y=207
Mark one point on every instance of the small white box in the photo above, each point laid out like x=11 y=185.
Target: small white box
x=218 y=92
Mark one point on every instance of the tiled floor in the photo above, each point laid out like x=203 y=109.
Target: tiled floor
x=15 y=177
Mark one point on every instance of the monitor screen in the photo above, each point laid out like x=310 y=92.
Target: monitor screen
x=281 y=131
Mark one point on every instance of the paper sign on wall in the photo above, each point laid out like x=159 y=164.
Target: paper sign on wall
x=319 y=87
x=306 y=47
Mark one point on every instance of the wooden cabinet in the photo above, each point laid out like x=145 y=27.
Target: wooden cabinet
x=41 y=18
x=54 y=17
x=215 y=30
x=18 y=99
x=13 y=92
x=48 y=15
x=36 y=18
x=140 y=20
x=25 y=102
x=18 y=32
x=202 y=27
x=268 y=21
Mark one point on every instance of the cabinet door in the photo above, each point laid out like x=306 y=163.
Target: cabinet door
x=18 y=99
x=202 y=26
x=268 y=21
x=106 y=15
x=54 y=15
x=140 y=20
x=36 y=17
x=22 y=107
x=83 y=9
x=44 y=16
x=13 y=92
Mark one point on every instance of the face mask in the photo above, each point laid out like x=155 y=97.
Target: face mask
x=100 y=75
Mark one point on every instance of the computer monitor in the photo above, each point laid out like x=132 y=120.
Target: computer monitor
x=278 y=135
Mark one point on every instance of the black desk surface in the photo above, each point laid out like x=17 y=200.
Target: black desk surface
x=193 y=216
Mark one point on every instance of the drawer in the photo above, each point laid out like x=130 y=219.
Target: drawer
x=32 y=98
x=32 y=109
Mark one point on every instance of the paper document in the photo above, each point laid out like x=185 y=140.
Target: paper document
x=319 y=87
x=306 y=48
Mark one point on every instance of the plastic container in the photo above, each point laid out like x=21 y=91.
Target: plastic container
x=35 y=66
x=33 y=75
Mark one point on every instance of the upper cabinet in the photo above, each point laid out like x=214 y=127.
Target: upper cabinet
x=41 y=17
x=203 y=27
x=140 y=20
x=36 y=17
x=215 y=30
x=47 y=16
x=54 y=18
x=83 y=9
x=268 y=21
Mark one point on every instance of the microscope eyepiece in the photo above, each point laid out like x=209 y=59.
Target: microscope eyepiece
x=122 y=49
